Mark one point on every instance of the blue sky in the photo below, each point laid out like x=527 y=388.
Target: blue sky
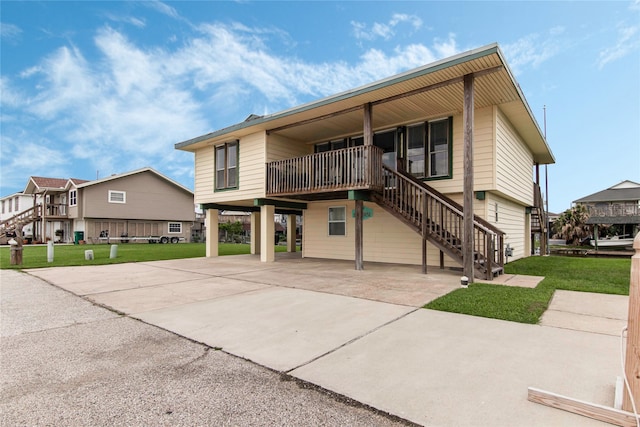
x=95 y=88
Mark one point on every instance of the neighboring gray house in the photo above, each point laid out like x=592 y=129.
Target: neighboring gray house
x=139 y=203
x=618 y=205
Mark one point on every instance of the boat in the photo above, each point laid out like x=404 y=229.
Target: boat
x=613 y=242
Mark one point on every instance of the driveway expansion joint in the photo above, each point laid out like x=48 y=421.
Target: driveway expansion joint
x=353 y=340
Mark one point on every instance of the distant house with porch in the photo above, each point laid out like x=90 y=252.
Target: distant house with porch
x=434 y=166
x=141 y=203
x=617 y=206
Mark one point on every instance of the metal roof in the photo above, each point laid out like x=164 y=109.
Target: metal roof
x=496 y=86
x=614 y=194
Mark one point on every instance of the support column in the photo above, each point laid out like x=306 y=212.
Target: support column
x=212 y=233
x=255 y=233
x=45 y=209
x=291 y=233
x=367 y=124
x=632 y=359
x=267 y=233
x=467 y=208
x=358 y=234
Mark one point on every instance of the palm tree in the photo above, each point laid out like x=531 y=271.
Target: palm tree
x=572 y=225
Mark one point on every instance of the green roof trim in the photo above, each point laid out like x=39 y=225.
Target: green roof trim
x=280 y=204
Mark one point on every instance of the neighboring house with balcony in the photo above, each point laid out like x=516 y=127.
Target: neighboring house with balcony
x=139 y=203
x=617 y=206
x=433 y=166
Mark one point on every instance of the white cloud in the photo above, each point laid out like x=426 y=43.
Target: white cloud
x=628 y=41
x=238 y=63
x=9 y=31
x=164 y=9
x=533 y=49
x=128 y=107
x=25 y=155
x=9 y=96
x=68 y=83
x=126 y=103
x=384 y=30
x=446 y=48
x=136 y=22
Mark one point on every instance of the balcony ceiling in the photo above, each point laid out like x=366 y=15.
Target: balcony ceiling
x=494 y=87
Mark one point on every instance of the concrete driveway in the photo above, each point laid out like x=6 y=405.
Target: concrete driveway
x=362 y=334
x=67 y=362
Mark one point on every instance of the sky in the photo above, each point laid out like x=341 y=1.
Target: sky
x=94 y=88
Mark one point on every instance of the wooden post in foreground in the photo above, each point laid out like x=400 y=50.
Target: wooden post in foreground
x=632 y=361
x=358 y=234
x=467 y=206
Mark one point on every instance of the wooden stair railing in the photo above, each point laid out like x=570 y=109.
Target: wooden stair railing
x=538 y=217
x=440 y=220
x=23 y=218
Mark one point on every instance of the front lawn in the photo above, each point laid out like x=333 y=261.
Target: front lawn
x=35 y=256
x=524 y=305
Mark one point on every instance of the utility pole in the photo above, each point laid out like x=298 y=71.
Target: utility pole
x=546 y=190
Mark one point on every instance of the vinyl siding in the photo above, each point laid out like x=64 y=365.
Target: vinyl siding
x=279 y=147
x=514 y=170
x=147 y=197
x=385 y=239
x=512 y=221
x=483 y=154
x=251 y=169
x=203 y=180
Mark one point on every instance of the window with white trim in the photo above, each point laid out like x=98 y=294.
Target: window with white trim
x=16 y=206
x=117 y=196
x=175 y=227
x=73 y=197
x=338 y=221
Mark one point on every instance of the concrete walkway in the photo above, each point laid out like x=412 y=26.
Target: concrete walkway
x=584 y=311
x=363 y=335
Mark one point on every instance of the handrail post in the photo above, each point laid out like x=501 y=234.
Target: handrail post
x=489 y=255
x=424 y=233
x=632 y=361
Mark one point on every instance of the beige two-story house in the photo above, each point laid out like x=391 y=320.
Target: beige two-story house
x=434 y=166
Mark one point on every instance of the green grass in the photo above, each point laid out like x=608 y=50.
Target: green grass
x=524 y=305
x=66 y=255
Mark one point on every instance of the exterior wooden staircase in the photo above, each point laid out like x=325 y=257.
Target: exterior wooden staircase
x=434 y=216
x=440 y=220
x=538 y=217
x=28 y=216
